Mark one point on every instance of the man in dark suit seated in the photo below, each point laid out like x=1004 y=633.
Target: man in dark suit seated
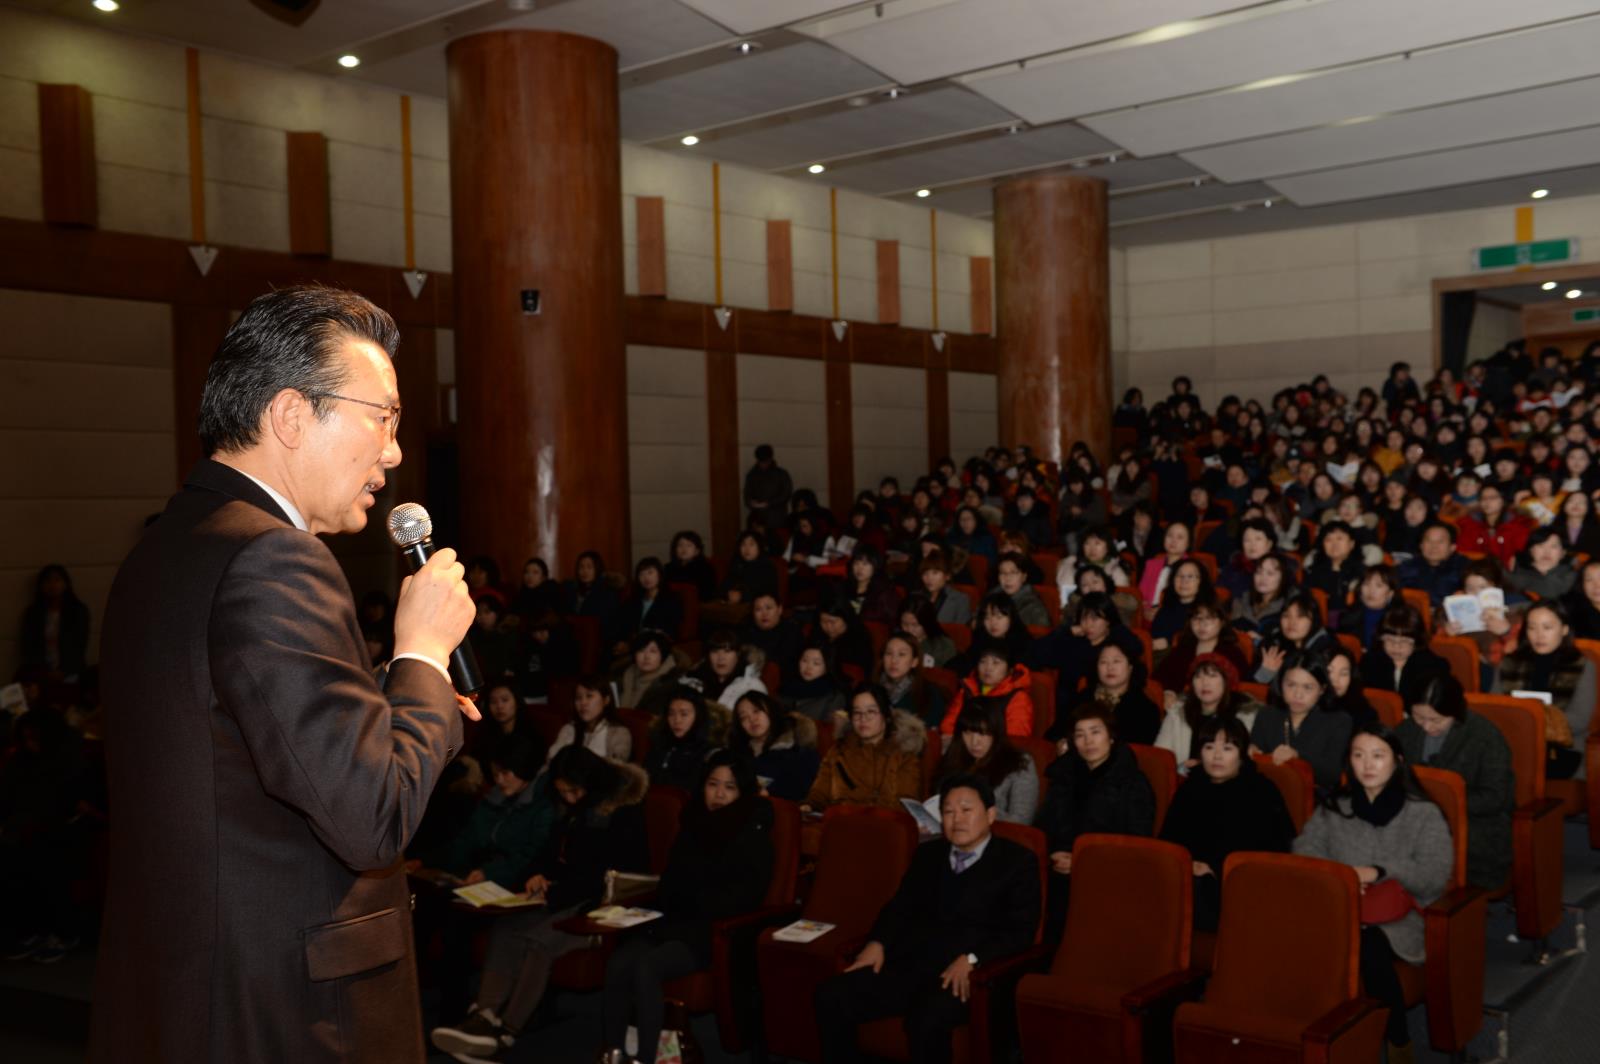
x=967 y=897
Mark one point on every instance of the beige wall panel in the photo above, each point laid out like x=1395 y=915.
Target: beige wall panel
x=140 y=466
x=1293 y=287
x=364 y=175
x=444 y=353
x=19 y=113
x=44 y=48
x=744 y=240
x=858 y=261
x=430 y=127
x=1378 y=351
x=1397 y=313
x=658 y=516
x=955 y=271
x=791 y=380
x=974 y=414
x=1167 y=331
x=364 y=233
x=74 y=532
x=1492 y=328
x=810 y=248
x=1287 y=323
x=667 y=419
x=130 y=133
x=813 y=294
x=143 y=201
x=1189 y=295
x=1292 y=249
x=235 y=153
x=1430 y=234
x=965 y=236
x=667 y=467
x=690 y=277
x=1168 y=262
x=955 y=309
x=70 y=395
x=64 y=328
x=762 y=196
x=688 y=229
x=1396 y=277
x=630 y=269
x=242 y=216
x=916 y=307
x=433 y=242
x=21 y=193
x=343 y=109
x=677 y=176
x=659 y=371
x=430 y=184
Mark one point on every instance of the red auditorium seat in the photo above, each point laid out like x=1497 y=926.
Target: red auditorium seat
x=1160 y=767
x=1295 y=782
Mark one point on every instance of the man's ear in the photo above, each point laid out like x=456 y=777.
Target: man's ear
x=288 y=417
x=992 y=814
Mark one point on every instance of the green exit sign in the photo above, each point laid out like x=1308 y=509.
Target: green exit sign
x=1586 y=314
x=1528 y=253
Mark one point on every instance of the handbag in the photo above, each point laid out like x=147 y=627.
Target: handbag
x=1386 y=901
x=621 y=886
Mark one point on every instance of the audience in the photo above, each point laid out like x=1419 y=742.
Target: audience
x=981 y=747
x=680 y=741
x=1118 y=690
x=1546 y=661
x=1299 y=723
x=782 y=746
x=877 y=762
x=594 y=724
x=999 y=679
x=900 y=675
x=652 y=677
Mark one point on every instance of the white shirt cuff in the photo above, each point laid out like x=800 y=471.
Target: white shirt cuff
x=440 y=669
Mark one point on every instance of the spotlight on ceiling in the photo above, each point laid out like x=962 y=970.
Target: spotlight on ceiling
x=894 y=93
x=924 y=193
x=1574 y=293
x=690 y=141
x=816 y=168
x=521 y=5
x=1539 y=193
x=1014 y=128
x=349 y=62
x=107 y=6
x=858 y=101
x=746 y=47
x=1548 y=286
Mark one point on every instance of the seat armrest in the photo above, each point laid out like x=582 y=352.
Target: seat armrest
x=1454 y=903
x=1339 y=1019
x=1535 y=809
x=988 y=972
x=984 y=983
x=1454 y=929
x=1185 y=985
x=768 y=914
x=1351 y=1031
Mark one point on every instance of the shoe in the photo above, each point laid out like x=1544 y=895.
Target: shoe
x=474 y=1038
x=25 y=947
x=499 y=1053
x=54 y=949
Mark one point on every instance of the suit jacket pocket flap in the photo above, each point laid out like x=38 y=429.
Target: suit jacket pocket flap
x=350 y=947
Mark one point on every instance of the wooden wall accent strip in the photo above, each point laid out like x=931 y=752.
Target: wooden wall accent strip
x=938 y=414
x=196 y=332
x=722 y=435
x=650 y=223
x=837 y=393
x=982 y=296
x=310 y=221
x=67 y=161
x=780 y=265
x=889 y=345
x=197 y=155
x=407 y=196
x=833 y=246
x=889 y=282
x=716 y=227
x=933 y=262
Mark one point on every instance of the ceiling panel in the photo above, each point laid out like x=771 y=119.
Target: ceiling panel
x=1484 y=162
x=972 y=202
x=1557 y=107
x=919 y=42
x=752 y=16
x=914 y=117
x=1483 y=68
x=1175 y=200
x=754 y=85
x=1283 y=42
x=942 y=165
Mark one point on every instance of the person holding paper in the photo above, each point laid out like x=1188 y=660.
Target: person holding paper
x=1546 y=661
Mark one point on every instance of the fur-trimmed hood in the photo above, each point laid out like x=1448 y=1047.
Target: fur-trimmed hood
x=630 y=789
x=910 y=734
x=802 y=735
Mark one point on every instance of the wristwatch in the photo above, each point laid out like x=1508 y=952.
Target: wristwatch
x=972 y=959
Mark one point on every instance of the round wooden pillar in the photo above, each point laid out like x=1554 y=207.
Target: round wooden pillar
x=1052 y=266
x=536 y=207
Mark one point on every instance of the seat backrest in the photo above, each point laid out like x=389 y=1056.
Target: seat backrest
x=1042 y=689
x=1322 y=602
x=663 y=812
x=1203 y=530
x=932 y=754
x=1043 y=751
x=960 y=635
x=586 y=632
x=1208 y=562
x=974 y=592
x=1295 y=782
x=771 y=677
x=1050 y=595
x=862 y=856
x=978 y=566
x=1289 y=938
x=1035 y=841
x=1521 y=722
x=1388 y=705
x=880 y=633
x=1257 y=691
x=1461 y=654
x=638 y=723
x=782 y=888
x=824 y=737
x=1352 y=644
x=1144 y=641
x=1418 y=600
x=945 y=680
x=1449 y=792
x=1130 y=920
x=1160 y=767
x=689 y=596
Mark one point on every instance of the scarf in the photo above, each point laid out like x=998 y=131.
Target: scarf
x=1389 y=802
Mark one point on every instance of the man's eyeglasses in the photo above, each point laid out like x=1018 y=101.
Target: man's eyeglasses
x=390 y=420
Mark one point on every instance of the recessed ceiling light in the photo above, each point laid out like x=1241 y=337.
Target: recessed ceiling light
x=923 y=193
x=1548 y=285
x=1014 y=128
x=1539 y=193
x=107 y=6
x=858 y=101
x=1574 y=293
x=894 y=93
x=816 y=168
x=746 y=47
x=349 y=61
x=1266 y=203
x=690 y=141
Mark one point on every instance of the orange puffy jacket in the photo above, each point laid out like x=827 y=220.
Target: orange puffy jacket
x=1015 y=688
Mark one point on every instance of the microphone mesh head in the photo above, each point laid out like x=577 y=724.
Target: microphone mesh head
x=409 y=524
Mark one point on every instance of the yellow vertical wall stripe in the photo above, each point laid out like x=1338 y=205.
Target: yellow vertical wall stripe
x=405 y=182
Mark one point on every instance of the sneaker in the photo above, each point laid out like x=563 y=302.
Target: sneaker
x=503 y=1053
x=474 y=1038
x=54 y=949
x=25 y=947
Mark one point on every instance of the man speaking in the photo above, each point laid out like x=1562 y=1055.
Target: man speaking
x=262 y=785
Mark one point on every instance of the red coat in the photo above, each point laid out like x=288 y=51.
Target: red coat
x=1016 y=688
x=1505 y=540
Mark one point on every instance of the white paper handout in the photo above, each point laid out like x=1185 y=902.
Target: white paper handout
x=1466 y=610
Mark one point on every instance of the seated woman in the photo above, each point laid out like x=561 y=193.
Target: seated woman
x=507 y=828
x=900 y=675
x=1257 y=538
x=538 y=592
x=1546 y=660
x=999 y=678
x=1206 y=633
x=728 y=670
x=547 y=650
x=1299 y=628
x=1298 y=723
x=1212 y=692
x=504 y=725
x=1011 y=578
x=971 y=534
x=920 y=621
x=1400 y=653
x=1097 y=549
x=1383 y=824
x=1495 y=529
x=1498 y=636
x=752 y=571
x=1378 y=590
x=815 y=691
x=782 y=746
x=599 y=825
x=1226 y=807
x=1189 y=584
x=950 y=605
x=868 y=590
x=1092 y=581
x=589 y=593
x=720 y=866
x=1542 y=567
x=1071 y=647
x=1344 y=683
x=689 y=565
x=649 y=605
x=653 y=676
x=680 y=741
x=982 y=747
x=996 y=621
x=1441 y=732
x=777 y=637
x=1119 y=680
x=1582 y=603
x=594 y=723
x=1096 y=785
x=841 y=626
x=1269 y=592
x=878 y=762
x=1175 y=546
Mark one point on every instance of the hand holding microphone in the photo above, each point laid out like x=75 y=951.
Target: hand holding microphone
x=434 y=610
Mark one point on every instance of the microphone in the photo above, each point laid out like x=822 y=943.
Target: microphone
x=411 y=529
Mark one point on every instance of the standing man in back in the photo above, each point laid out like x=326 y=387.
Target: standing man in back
x=262 y=786
x=767 y=488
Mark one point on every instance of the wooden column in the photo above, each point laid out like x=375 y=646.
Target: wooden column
x=938 y=414
x=310 y=224
x=722 y=434
x=841 y=428
x=196 y=332
x=535 y=179
x=982 y=296
x=650 y=231
x=66 y=150
x=780 y=266
x=1055 y=316
x=888 y=282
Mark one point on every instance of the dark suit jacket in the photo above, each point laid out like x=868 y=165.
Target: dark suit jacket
x=262 y=790
x=991 y=909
